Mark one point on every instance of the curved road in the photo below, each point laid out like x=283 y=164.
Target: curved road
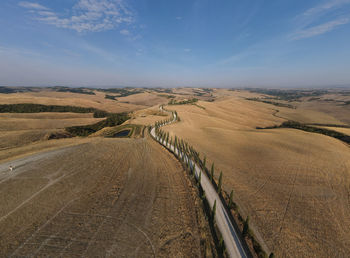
x=232 y=241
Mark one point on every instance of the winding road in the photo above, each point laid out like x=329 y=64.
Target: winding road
x=231 y=238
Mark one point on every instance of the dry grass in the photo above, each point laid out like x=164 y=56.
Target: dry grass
x=144 y=99
x=47 y=97
x=22 y=150
x=95 y=199
x=147 y=116
x=21 y=129
x=12 y=139
x=294 y=185
x=315 y=114
x=13 y=122
x=339 y=112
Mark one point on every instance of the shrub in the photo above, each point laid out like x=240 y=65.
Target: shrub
x=111 y=97
x=37 y=108
x=100 y=114
x=85 y=130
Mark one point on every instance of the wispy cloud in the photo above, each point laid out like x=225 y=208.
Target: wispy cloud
x=320 y=19
x=125 y=32
x=319 y=29
x=324 y=7
x=86 y=15
x=179 y=18
x=30 y=5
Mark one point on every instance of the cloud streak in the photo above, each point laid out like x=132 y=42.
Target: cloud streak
x=319 y=9
x=85 y=16
x=34 y=6
x=320 y=19
x=319 y=29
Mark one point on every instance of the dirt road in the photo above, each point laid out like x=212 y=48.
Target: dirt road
x=107 y=197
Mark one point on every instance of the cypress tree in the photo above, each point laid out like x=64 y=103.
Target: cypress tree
x=176 y=147
x=167 y=139
x=163 y=138
x=220 y=182
x=214 y=210
x=245 y=227
x=221 y=245
x=212 y=172
x=230 y=201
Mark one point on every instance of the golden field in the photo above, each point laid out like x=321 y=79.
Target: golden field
x=94 y=199
x=49 y=97
x=294 y=185
x=22 y=129
x=19 y=129
x=94 y=196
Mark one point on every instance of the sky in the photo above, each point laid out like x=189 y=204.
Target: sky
x=175 y=43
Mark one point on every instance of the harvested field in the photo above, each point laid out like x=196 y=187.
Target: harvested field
x=22 y=129
x=23 y=150
x=144 y=99
x=148 y=116
x=309 y=116
x=333 y=109
x=105 y=197
x=294 y=185
x=12 y=139
x=13 y=122
x=48 y=97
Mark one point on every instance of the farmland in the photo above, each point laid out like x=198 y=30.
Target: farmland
x=293 y=184
x=90 y=190
x=84 y=195
x=88 y=198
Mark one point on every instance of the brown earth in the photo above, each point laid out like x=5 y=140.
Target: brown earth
x=104 y=197
x=294 y=185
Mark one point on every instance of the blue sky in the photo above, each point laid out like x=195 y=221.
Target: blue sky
x=227 y=43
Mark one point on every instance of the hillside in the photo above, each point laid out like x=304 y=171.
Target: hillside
x=102 y=197
x=294 y=185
